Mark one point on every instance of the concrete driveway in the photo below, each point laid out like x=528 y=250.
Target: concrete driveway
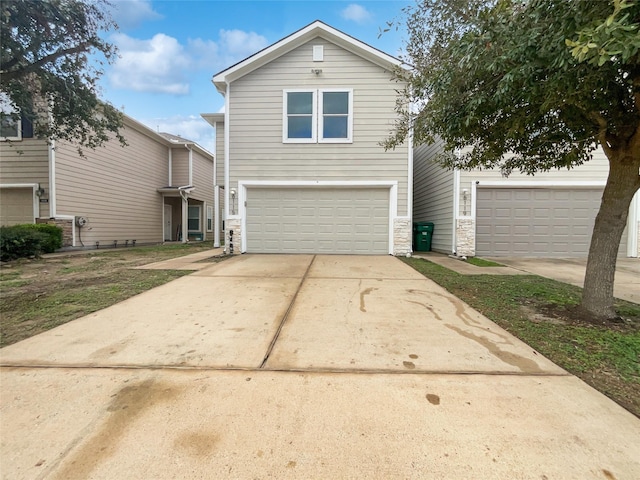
x=571 y=270
x=300 y=367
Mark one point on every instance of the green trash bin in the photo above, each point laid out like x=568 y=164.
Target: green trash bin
x=422 y=235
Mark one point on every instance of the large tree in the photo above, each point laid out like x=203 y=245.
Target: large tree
x=530 y=86
x=51 y=60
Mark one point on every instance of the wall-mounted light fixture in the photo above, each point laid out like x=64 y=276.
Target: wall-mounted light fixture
x=39 y=191
x=317 y=71
x=233 y=192
x=465 y=192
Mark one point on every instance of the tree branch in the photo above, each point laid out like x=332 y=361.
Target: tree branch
x=7 y=76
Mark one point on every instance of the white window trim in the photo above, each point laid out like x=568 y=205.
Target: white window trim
x=209 y=217
x=6 y=108
x=317 y=125
x=349 y=138
x=285 y=116
x=199 y=207
x=16 y=138
x=243 y=185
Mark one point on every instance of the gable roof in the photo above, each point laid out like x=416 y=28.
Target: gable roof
x=311 y=31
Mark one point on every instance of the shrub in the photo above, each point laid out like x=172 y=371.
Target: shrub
x=53 y=232
x=30 y=240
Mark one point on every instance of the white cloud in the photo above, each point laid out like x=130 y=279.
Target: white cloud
x=131 y=13
x=162 y=64
x=155 y=65
x=356 y=13
x=191 y=127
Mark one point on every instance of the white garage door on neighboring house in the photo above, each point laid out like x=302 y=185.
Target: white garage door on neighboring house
x=536 y=222
x=318 y=220
x=16 y=206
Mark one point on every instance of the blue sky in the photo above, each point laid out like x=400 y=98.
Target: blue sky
x=170 y=49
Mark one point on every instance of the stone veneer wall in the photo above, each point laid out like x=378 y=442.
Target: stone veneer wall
x=236 y=226
x=465 y=237
x=65 y=224
x=402 y=230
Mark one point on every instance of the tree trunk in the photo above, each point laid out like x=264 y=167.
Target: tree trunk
x=622 y=184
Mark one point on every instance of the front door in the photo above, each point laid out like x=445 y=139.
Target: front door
x=167 y=223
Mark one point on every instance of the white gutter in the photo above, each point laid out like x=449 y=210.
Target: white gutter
x=456 y=210
x=170 y=167
x=226 y=151
x=216 y=196
x=52 y=180
x=190 y=163
x=184 y=194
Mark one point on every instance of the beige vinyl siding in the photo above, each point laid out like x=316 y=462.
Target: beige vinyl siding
x=26 y=161
x=220 y=153
x=180 y=166
x=433 y=195
x=595 y=170
x=115 y=188
x=203 y=183
x=255 y=118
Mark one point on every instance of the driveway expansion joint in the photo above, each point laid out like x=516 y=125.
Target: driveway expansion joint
x=286 y=314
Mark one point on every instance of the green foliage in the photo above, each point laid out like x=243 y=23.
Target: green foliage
x=31 y=240
x=481 y=262
x=54 y=235
x=46 y=72
x=497 y=82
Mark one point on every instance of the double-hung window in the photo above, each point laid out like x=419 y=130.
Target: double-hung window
x=10 y=120
x=193 y=218
x=318 y=116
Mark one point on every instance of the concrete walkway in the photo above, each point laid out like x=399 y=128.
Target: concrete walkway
x=300 y=367
x=193 y=261
x=571 y=270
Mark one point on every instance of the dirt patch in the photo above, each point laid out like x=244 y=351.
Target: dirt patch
x=39 y=294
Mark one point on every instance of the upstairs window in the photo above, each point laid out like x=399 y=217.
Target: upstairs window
x=13 y=125
x=318 y=116
x=300 y=122
x=10 y=121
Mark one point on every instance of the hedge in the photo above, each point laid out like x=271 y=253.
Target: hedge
x=29 y=240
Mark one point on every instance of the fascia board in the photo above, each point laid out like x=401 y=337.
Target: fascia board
x=316 y=29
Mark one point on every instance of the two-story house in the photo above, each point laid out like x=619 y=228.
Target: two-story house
x=299 y=148
x=157 y=188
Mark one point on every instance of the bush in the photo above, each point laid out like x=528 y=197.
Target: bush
x=30 y=240
x=53 y=232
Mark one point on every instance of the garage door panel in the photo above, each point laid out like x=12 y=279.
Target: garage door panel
x=556 y=222
x=16 y=206
x=318 y=220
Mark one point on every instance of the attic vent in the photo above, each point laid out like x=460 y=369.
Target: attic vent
x=318 y=53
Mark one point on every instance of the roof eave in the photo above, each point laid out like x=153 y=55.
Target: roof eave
x=285 y=45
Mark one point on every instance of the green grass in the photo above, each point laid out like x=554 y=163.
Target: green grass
x=481 y=262
x=605 y=356
x=41 y=294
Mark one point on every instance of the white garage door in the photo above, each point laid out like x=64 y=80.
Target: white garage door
x=16 y=206
x=536 y=222
x=318 y=220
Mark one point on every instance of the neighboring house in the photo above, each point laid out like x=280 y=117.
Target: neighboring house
x=303 y=169
x=157 y=188
x=483 y=213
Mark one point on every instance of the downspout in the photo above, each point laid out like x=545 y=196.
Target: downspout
x=52 y=179
x=216 y=196
x=456 y=210
x=190 y=163
x=184 y=194
x=170 y=166
x=226 y=157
